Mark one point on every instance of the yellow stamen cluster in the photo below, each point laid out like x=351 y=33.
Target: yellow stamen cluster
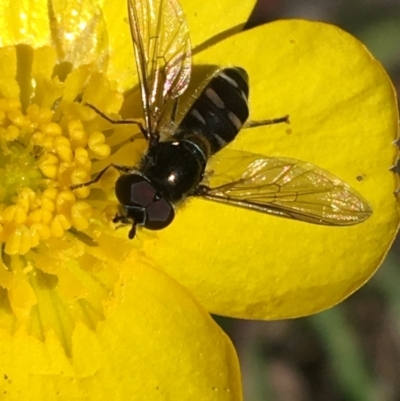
x=40 y=159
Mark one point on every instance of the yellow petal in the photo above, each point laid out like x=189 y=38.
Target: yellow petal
x=344 y=119
x=24 y=22
x=79 y=32
x=98 y=32
x=204 y=23
x=155 y=343
x=8 y=67
x=208 y=19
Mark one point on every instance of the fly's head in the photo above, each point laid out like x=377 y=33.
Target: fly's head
x=141 y=204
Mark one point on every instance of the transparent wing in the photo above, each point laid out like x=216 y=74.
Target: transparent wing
x=163 y=54
x=285 y=187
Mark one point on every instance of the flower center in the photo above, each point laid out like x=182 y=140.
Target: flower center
x=60 y=253
x=38 y=164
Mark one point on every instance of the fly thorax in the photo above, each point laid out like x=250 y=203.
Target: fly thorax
x=175 y=168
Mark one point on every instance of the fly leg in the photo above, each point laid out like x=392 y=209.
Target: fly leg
x=124 y=169
x=112 y=121
x=279 y=120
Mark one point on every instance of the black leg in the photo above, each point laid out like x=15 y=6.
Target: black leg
x=124 y=169
x=112 y=121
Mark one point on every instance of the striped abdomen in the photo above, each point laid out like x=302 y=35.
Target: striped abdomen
x=221 y=109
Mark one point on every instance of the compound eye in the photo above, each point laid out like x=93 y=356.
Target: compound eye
x=159 y=214
x=134 y=190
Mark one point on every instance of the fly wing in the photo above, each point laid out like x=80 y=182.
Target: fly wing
x=287 y=188
x=163 y=54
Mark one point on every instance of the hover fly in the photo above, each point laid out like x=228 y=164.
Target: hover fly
x=175 y=164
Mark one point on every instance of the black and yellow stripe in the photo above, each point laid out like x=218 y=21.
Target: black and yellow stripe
x=221 y=109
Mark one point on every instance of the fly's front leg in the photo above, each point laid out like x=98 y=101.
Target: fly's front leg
x=124 y=169
x=279 y=120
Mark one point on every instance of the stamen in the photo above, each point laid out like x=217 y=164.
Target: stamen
x=58 y=247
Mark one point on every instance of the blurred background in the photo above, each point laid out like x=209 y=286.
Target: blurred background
x=350 y=352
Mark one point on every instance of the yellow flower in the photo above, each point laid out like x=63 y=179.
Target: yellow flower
x=88 y=314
